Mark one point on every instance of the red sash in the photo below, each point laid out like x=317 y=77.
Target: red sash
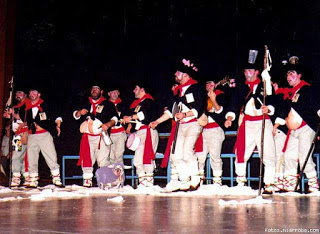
x=85 y=156
x=148 y=153
x=240 y=145
x=199 y=143
x=116 y=130
x=288 y=136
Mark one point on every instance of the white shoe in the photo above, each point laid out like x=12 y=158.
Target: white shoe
x=268 y=189
x=16 y=179
x=185 y=185
x=290 y=183
x=149 y=180
x=34 y=177
x=217 y=181
x=241 y=181
x=313 y=185
x=87 y=183
x=172 y=186
x=278 y=185
x=195 y=182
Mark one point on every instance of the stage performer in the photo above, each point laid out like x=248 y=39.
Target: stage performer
x=97 y=116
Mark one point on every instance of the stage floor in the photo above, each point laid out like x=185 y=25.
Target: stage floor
x=91 y=212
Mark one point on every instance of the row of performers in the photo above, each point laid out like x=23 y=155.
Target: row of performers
x=288 y=117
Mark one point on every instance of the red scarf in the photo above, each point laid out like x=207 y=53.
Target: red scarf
x=165 y=159
x=25 y=101
x=138 y=101
x=179 y=87
x=94 y=104
x=253 y=83
x=290 y=92
x=29 y=105
x=116 y=101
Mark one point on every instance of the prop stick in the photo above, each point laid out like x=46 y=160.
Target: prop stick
x=263 y=120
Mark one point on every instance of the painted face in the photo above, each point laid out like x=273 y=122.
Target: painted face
x=250 y=74
x=114 y=94
x=209 y=85
x=293 y=78
x=20 y=96
x=95 y=92
x=178 y=76
x=34 y=95
x=137 y=91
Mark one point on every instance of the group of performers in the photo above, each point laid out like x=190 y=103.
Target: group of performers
x=288 y=117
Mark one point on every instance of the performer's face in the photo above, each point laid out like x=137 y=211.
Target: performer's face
x=293 y=78
x=95 y=92
x=250 y=74
x=34 y=95
x=178 y=76
x=138 y=92
x=209 y=85
x=114 y=94
x=20 y=96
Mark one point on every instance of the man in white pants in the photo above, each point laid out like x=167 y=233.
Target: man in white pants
x=97 y=115
x=212 y=134
x=302 y=122
x=250 y=128
x=189 y=98
x=141 y=113
x=19 y=159
x=40 y=122
x=118 y=133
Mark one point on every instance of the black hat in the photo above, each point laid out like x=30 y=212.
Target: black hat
x=295 y=67
x=96 y=83
x=187 y=66
x=112 y=87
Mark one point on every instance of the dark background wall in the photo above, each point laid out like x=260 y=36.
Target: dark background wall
x=65 y=45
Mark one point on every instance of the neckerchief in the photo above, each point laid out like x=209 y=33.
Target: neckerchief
x=29 y=105
x=179 y=87
x=284 y=91
x=253 y=83
x=94 y=104
x=25 y=101
x=116 y=101
x=138 y=101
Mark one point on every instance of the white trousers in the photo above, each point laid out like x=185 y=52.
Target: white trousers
x=253 y=139
x=18 y=164
x=117 y=147
x=212 y=144
x=184 y=161
x=141 y=168
x=297 y=150
x=41 y=142
x=101 y=156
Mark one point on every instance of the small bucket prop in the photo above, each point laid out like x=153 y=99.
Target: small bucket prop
x=133 y=142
